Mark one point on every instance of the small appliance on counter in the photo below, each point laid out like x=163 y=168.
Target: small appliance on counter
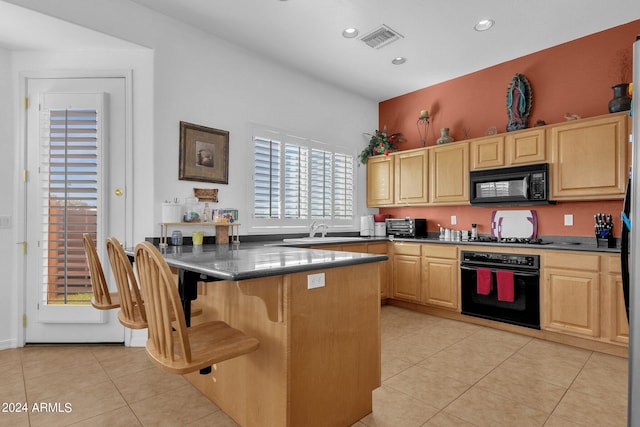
x=366 y=225
x=380 y=229
x=406 y=227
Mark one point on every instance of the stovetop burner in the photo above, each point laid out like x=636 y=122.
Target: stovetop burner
x=519 y=240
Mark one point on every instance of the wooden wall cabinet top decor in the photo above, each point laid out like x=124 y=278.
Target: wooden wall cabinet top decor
x=411 y=177
x=589 y=158
x=380 y=181
x=449 y=174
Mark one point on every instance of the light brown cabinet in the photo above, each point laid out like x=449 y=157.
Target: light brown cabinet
x=380 y=181
x=411 y=177
x=439 y=279
x=487 y=152
x=385 y=266
x=405 y=271
x=525 y=147
x=449 y=174
x=614 y=315
x=570 y=294
x=589 y=158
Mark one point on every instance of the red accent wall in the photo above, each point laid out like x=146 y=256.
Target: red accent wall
x=574 y=77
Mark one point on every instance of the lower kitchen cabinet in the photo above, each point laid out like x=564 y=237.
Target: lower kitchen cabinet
x=439 y=281
x=405 y=271
x=570 y=296
x=614 y=322
x=385 y=266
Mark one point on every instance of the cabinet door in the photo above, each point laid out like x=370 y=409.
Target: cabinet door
x=440 y=282
x=589 y=158
x=380 y=181
x=381 y=248
x=406 y=277
x=526 y=147
x=449 y=174
x=616 y=312
x=487 y=152
x=411 y=177
x=570 y=301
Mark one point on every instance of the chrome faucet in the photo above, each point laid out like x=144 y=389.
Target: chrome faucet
x=313 y=228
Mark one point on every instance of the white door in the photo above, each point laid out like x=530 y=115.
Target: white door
x=76 y=152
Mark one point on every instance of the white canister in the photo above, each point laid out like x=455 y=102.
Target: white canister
x=366 y=225
x=380 y=229
x=171 y=212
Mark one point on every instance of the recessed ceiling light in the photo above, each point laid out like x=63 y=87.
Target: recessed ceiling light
x=350 y=33
x=484 y=25
x=399 y=60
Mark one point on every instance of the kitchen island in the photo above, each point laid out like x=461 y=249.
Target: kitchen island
x=316 y=314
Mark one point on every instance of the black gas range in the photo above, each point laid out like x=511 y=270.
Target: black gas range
x=510 y=240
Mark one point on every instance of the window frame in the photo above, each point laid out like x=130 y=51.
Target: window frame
x=299 y=225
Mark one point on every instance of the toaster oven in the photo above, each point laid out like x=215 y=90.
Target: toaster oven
x=406 y=227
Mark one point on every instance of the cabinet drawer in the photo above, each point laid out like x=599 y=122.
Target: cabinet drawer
x=440 y=251
x=572 y=261
x=377 y=248
x=400 y=248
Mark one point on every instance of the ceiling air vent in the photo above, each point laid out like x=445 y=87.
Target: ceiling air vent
x=380 y=37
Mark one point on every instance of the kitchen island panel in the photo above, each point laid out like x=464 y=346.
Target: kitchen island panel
x=319 y=356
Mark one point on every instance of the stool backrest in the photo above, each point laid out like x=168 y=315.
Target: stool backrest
x=132 y=310
x=101 y=297
x=163 y=305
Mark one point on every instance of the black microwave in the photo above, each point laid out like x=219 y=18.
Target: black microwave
x=517 y=185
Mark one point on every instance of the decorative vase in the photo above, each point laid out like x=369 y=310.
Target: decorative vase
x=621 y=100
x=444 y=136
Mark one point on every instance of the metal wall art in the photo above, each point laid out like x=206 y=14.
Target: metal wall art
x=519 y=102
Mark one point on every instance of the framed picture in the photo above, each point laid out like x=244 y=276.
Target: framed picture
x=204 y=154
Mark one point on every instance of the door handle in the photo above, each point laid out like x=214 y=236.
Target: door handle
x=118 y=192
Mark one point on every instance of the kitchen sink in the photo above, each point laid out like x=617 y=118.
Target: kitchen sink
x=327 y=239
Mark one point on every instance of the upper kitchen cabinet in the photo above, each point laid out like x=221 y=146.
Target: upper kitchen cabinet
x=526 y=146
x=589 y=158
x=411 y=177
x=380 y=177
x=514 y=148
x=487 y=152
x=449 y=174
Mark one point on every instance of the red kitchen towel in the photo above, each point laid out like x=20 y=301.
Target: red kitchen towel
x=483 y=281
x=505 y=285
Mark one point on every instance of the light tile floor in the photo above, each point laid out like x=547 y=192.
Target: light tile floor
x=435 y=372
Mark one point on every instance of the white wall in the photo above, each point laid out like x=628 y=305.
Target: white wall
x=193 y=77
x=8 y=173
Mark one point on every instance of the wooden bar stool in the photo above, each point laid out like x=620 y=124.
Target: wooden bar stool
x=102 y=299
x=181 y=350
x=132 y=313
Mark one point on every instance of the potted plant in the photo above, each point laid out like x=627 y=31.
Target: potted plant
x=380 y=143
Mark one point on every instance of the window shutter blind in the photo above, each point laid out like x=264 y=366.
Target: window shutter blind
x=321 y=184
x=343 y=186
x=267 y=178
x=70 y=168
x=296 y=193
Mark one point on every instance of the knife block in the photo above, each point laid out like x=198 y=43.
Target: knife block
x=607 y=242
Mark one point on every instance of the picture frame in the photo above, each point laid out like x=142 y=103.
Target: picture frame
x=204 y=154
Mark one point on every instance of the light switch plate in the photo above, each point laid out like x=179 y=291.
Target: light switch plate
x=568 y=219
x=5 y=221
x=454 y=220
x=315 y=280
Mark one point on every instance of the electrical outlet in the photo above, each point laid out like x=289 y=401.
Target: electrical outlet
x=568 y=219
x=454 y=220
x=5 y=221
x=315 y=280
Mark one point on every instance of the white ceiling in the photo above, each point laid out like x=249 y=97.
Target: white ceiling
x=438 y=41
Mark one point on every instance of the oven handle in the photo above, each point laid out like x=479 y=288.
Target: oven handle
x=518 y=272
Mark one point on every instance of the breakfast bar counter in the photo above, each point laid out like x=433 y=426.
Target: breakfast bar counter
x=316 y=314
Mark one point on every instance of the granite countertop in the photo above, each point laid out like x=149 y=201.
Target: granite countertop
x=253 y=259
x=566 y=243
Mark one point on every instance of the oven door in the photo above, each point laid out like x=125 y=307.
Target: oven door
x=523 y=311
